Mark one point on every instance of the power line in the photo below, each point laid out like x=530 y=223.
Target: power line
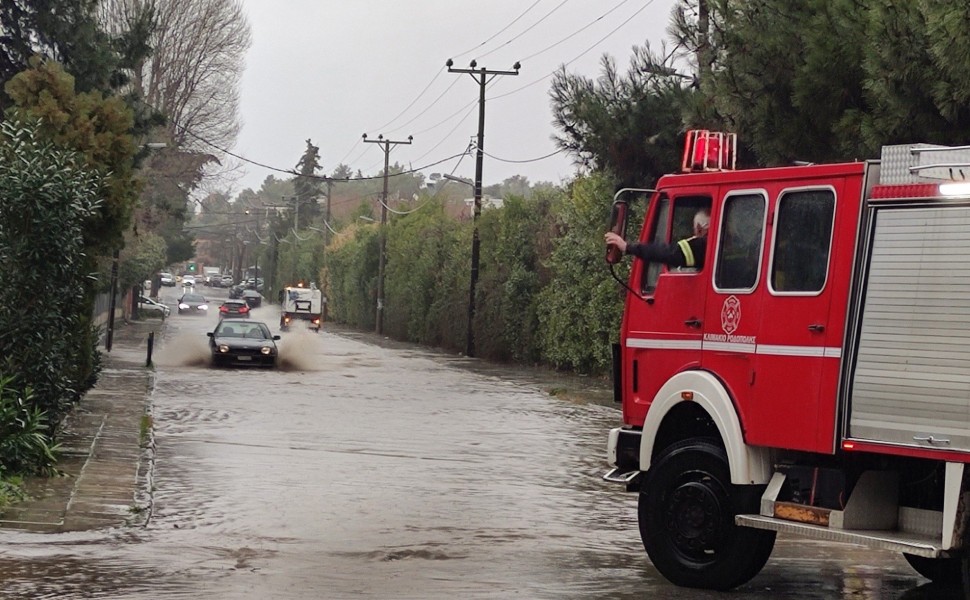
x=582 y=54
x=575 y=33
x=499 y=32
x=527 y=30
x=506 y=160
x=320 y=177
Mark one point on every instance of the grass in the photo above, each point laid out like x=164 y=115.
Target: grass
x=11 y=491
x=144 y=429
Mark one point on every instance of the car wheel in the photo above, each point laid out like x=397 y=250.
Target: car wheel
x=686 y=513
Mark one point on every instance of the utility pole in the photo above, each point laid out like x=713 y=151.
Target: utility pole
x=326 y=230
x=110 y=333
x=482 y=77
x=381 y=259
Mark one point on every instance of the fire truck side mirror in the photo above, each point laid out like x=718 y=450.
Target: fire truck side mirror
x=618 y=226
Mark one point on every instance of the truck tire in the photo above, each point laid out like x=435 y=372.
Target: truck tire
x=686 y=514
x=945 y=571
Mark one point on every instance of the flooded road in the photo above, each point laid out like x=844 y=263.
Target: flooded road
x=362 y=471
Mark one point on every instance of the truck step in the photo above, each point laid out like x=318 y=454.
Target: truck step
x=910 y=543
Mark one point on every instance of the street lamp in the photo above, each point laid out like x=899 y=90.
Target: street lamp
x=464 y=180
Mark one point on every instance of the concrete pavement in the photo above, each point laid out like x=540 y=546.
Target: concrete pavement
x=107 y=449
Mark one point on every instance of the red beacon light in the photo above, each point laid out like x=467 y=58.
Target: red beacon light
x=709 y=151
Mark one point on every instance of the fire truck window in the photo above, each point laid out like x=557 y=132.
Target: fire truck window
x=739 y=248
x=658 y=233
x=802 y=241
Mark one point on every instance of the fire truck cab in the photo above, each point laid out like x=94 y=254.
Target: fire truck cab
x=813 y=375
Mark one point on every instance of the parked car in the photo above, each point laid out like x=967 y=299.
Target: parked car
x=242 y=342
x=149 y=307
x=167 y=279
x=227 y=281
x=193 y=304
x=252 y=298
x=188 y=280
x=234 y=309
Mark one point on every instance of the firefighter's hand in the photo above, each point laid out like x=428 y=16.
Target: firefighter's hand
x=613 y=239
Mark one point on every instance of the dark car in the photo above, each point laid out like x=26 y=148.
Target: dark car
x=193 y=304
x=233 y=309
x=252 y=298
x=235 y=292
x=241 y=342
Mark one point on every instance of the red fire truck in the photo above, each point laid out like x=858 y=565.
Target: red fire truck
x=813 y=376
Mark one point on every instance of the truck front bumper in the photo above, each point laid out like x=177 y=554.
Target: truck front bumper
x=623 y=454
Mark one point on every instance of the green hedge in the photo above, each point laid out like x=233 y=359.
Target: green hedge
x=544 y=293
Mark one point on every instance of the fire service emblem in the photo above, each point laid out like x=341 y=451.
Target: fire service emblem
x=731 y=314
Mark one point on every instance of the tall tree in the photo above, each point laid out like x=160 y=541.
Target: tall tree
x=96 y=127
x=308 y=186
x=192 y=76
x=626 y=124
x=825 y=80
x=69 y=32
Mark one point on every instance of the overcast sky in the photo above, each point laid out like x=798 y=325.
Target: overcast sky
x=331 y=70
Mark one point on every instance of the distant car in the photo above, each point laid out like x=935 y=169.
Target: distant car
x=193 y=304
x=227 y=281
x=254 y=284
x=236 y=291
x=232 y=309
x=252 y=298
x=241 y=342
x=188 y=280
x=167 y=279
x=147 y=306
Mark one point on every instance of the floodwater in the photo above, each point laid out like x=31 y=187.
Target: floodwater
x=386 y=471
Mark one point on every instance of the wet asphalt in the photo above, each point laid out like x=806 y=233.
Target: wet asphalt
x=363 y=468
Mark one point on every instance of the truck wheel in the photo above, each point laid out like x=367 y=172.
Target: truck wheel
x=686 y=513
x=939 y=570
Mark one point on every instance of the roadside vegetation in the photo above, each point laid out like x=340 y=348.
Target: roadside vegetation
x=76 y=132
x=89 y=88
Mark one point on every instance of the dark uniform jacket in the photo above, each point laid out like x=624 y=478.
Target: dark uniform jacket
x=685 y=253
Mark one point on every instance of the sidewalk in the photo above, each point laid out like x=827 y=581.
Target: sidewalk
x=106 y=464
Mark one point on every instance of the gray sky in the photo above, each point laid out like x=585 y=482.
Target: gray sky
x=331 y=70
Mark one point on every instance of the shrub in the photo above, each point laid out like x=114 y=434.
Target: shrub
x=25 y=446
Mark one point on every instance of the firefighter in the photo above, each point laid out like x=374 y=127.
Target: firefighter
x=688 y=252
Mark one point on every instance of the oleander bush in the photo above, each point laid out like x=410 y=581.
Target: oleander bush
x=46 y=339
x=25 y=446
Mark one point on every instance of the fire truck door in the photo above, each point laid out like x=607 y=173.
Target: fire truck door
x=734 y=306
x=664 y=326
x=793 y=359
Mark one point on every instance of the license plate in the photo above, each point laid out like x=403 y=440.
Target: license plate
x=244 y=357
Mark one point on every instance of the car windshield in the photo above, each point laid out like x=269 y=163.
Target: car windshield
x=192 y=298
x=257 y=331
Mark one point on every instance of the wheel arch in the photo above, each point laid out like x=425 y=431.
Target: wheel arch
x=710 y=412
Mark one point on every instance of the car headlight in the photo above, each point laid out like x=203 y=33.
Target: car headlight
x=203 y=307
x=183 y=306
x=223 y=348
x=266 y=350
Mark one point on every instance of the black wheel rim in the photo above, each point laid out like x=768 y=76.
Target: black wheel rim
x=694 y=516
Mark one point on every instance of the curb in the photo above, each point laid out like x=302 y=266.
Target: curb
x=106 y=468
